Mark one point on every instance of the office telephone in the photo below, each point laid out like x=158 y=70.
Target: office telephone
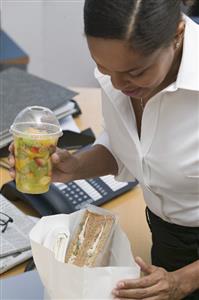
x=72 y=196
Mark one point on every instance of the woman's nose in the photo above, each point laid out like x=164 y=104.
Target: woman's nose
x=120 y=81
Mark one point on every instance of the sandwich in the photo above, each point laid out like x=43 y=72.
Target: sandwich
x=89 y=245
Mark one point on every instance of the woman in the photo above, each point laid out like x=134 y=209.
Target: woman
x=146 y=53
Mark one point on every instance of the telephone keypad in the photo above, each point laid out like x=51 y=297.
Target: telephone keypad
x=80 y=193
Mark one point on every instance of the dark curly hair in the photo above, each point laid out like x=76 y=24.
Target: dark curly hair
x=146 y=25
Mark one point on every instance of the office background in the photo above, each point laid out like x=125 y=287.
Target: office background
x=51 y=33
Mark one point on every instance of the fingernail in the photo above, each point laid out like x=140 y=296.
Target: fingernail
x=10 y=147
x=12 y=161
x=120 y=285
x=12 y=173
x=55 y=157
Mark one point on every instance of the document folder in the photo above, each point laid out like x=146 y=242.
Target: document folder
x=19 y=89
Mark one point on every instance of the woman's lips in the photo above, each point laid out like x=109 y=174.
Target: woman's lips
x=133 y=93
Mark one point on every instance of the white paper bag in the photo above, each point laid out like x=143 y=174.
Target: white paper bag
x=65 y=281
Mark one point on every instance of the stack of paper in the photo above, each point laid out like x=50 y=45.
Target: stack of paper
x=19 y=89
x=15 y=243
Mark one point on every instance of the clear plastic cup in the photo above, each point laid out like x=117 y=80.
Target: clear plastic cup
x=36 y=132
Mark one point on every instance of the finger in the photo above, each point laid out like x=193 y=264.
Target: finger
x=143 y=282
x=142 y=293
x=59 y=156
x=12 y=173
x=11 y=147
x=52 y=149
x=150 y=298
x=58 y=176
x=11 y=160
x=145 y=268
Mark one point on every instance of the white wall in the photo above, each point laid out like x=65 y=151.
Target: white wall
x=22 y=20
x=51 y=32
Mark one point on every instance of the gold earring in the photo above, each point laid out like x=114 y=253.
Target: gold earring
x=177 y=45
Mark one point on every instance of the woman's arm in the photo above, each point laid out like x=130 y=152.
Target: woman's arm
x=188 y=278
x=93 y=162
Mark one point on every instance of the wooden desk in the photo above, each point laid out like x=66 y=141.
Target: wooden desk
x=129 y=207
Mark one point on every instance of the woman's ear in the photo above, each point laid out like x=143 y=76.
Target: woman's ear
x=179 y=34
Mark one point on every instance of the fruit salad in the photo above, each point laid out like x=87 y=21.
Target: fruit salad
x=33 y=165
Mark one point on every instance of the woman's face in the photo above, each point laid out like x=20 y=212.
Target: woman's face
x=135 y=74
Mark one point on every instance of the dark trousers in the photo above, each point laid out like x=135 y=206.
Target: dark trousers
x=174 y=246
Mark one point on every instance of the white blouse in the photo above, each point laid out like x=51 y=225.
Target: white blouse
x=165 y=160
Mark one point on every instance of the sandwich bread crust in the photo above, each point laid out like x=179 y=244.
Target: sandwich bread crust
x=90 y=240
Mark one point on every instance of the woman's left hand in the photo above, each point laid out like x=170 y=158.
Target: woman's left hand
x=157 y=284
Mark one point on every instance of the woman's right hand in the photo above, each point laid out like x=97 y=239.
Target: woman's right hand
x=64 y=165
x=11 y=160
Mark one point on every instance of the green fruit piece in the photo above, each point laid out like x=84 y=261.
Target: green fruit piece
x=22 y=154
x=42 y=171
x=25 y=170
x=33 y=166
x=28 y=142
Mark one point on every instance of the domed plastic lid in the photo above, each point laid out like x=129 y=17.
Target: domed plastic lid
x=37 y=121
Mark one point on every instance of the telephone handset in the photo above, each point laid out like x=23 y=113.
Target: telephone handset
x=72 y=196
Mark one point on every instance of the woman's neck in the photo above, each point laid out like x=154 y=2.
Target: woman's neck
x=171 y=75
x=173 y=72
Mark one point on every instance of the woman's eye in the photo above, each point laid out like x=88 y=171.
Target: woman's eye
x=137 y=75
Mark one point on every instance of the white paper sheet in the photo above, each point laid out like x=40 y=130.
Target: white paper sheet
x=68 y=123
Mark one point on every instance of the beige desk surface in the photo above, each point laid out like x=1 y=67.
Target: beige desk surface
x=129 y=207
